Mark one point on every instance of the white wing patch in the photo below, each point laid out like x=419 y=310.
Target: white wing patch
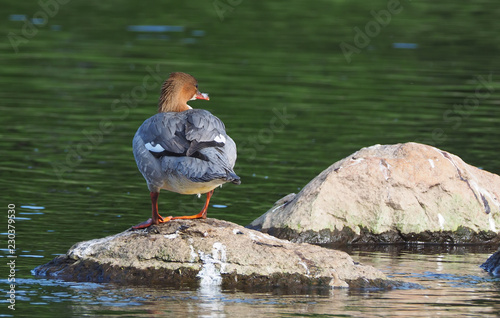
x=220 y=138
x=156 y=148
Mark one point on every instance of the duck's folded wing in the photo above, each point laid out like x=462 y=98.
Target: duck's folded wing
x=163 y=135
x=183 y=134
x=202 y=126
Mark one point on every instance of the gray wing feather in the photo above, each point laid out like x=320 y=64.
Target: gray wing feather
x=202 y=126
x=165 y=129
x=198 y=170
x=175 y=132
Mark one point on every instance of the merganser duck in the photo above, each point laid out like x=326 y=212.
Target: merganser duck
x=181 y=149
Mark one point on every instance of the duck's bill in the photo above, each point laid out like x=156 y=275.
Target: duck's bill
x=202 y=96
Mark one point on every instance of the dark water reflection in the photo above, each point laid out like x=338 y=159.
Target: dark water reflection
x=451 y=285
x=77 y=89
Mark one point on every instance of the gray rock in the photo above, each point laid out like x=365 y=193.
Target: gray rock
x=391 y=193
x=492 y=264
x=192 y=252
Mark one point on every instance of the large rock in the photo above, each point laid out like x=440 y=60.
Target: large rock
x=391 y=193
x=492 y=264
x=185 y=252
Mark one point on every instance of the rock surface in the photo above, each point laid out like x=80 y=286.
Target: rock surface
x=492 y=264
x=391 y=193
x=188 y=252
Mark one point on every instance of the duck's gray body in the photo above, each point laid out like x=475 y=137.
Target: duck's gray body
x=186 y=152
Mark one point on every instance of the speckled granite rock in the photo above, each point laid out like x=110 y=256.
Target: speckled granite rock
x=188 y=252
x=391 y=193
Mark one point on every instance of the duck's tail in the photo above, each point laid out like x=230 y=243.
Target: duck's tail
x=233 y=178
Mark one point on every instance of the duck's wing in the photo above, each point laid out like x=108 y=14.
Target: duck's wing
x=182 y=134
x=203 y=130
x=162 y=135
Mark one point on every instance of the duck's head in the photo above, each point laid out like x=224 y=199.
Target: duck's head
x=177 y=90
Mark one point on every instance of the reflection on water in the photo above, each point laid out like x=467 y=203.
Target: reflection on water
x=155 y=28
x=211 y=301
x=450 y=280
x=161 y=32
x=78 y=83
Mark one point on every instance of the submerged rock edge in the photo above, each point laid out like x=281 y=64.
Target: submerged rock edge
x=90 y=271
x=492 y=264
x=462 y=236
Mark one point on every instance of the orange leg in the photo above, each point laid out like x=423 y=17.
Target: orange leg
x=156 y=218
x=203 y=212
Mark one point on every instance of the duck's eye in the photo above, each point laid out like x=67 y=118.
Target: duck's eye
x=196 y=85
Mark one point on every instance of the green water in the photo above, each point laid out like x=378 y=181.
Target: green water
x=76 y=87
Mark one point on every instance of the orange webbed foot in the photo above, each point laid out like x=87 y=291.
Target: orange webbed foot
x=150 y=222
